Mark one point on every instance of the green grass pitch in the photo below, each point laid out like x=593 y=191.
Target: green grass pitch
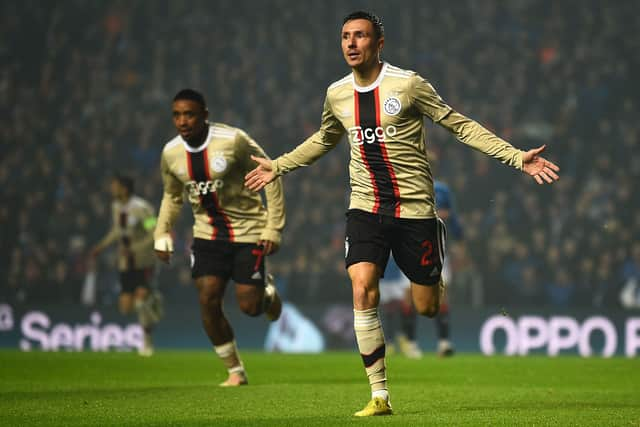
x=180 y=388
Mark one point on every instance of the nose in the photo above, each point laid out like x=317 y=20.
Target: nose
x=351 y=42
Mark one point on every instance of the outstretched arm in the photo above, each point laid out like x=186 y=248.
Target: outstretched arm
x=271 y=233
x=476 y=136
x=471 y=133
x=309 y=151
x=107 y=240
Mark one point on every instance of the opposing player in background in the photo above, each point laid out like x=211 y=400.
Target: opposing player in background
x=381 y=109
x=233 y=230
x=447 y=212
x=133 y=223
x=395 y=289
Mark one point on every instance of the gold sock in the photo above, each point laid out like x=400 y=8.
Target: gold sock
x=370 y=338
x=230 y=357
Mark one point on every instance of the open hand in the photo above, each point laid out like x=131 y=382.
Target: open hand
x=260 y=176
x=538 y=167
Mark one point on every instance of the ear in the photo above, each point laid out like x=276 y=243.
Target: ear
x=206 y=113
x=380 y=45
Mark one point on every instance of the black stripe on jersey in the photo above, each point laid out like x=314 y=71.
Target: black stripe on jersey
x=377 y=354
x=209 y=201
x=373 y=153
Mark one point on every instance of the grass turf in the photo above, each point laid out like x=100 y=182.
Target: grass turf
x=179 y=388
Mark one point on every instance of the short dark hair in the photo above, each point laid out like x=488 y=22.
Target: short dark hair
x=378 y=28
x=125 y=181
x=191 y=95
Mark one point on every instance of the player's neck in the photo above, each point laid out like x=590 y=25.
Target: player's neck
x=365 y=76
x=199 y=140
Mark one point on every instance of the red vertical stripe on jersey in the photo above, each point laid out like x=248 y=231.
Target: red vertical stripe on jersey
x=189 y=166
x=198 y=165
x=376 y=193
x=385 y=155
x=205 y=160
x=214 y=196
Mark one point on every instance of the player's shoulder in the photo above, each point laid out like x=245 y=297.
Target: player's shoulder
x=397 y=72
x=399 y=77
x=344 y=83
x=224 y=131
x=172 y=144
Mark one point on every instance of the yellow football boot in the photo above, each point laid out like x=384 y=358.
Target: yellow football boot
x=376 y=406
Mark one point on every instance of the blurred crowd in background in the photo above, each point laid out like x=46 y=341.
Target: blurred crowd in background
x=86 y=89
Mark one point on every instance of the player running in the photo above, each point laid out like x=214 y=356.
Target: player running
x=233 y=230
x=381 y=108
x=133 y=224
x=395 y=289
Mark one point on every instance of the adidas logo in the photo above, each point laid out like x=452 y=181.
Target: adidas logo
x=434 y=272
x=256 y=276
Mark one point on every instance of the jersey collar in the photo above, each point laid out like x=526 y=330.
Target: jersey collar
x=372 y=85
x=201 y=147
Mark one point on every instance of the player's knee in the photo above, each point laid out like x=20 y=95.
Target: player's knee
x=251 y=307
x=209 y=293
x=365 y=296
x=210 y=299
x=429 y=309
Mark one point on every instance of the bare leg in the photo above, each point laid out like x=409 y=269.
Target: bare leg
x=426 y=299
x=250 y=299
x=125 y=303
x=144 y=318
x=210 y=294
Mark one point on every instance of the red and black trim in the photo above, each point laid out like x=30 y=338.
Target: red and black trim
x=374 y=153
x=198 y=164
x=377 y=354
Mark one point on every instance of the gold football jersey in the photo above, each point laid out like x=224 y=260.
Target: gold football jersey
x=211 y=177
x=389 y=169
x=133 y=224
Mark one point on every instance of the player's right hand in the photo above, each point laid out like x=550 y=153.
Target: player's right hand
x=260 y=176
x=164 y=256
x=163 y=247
x=94 y=252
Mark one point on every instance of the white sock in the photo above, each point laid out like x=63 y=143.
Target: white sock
x=230 y=357
x=380 y=393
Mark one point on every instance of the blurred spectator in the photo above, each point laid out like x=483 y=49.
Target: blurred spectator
x=86 y=91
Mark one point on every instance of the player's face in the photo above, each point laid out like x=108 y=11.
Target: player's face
x=189 y=119
x=117 y=189
x=359 y=45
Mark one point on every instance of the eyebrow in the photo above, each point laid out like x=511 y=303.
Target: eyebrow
x=355 y=32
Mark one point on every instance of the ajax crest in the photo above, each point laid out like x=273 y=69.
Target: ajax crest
x=392 y=106
x=218 y=163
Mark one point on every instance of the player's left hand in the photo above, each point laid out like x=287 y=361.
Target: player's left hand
x=541 y=169
x=263 y=174
x=268 y=247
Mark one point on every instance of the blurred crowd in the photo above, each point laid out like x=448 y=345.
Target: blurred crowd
x=86 y=89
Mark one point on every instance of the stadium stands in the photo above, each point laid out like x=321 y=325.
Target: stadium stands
x=86 y=89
